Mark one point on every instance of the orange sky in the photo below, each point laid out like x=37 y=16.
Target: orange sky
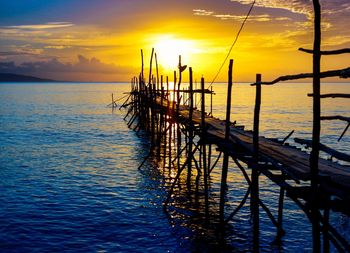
x=101 y=40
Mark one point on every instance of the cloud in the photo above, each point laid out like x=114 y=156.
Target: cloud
x=83 y=65
x=302 y=6
x=257 y=18
x=50 y=25
x=58 y=47
x=296 y=6
x=200 y=12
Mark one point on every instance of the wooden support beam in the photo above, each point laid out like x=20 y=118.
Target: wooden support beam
x=204 y=152
x=342 y=73
x=316 y=128
x=336 y=117
x=157 y=71
x=190 y=129
x=150 y=67
x=329 y=52
x=178 y=98
x=255 y=173
x=226 y=155
x=331 y=95
x=142 y=67
x=339 y=155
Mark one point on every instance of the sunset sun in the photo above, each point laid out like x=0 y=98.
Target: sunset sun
x=169 y=48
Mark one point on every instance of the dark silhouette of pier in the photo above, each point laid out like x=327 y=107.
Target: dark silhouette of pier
x=170 y=117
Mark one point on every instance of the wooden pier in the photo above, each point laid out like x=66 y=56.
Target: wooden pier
x=182 y=138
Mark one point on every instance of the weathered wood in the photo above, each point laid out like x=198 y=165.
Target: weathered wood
x=287 y=137
x=157 y=70
x=204 y=152
x=316 y=128
x=342 y=73
x=150 y=67
x=142 y=67
x=329 y=52
x=190 y=129
x=226 y=155
x=178 y=98
x=336 y=117
x=339 y=155
x=255 y=173
x=331 y=95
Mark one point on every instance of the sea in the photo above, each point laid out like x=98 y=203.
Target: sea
x=69 y=180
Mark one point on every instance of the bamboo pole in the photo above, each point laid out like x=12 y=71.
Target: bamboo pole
x=190 y=129
x=226 y=156
x=204 y=159
x=142 y=66
x=157 y=70
x=150 y=67
x=255 y=173
x=316 y=129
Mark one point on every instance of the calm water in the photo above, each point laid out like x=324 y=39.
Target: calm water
x=69 y=178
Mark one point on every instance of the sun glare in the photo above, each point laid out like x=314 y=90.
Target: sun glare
x=169 y=48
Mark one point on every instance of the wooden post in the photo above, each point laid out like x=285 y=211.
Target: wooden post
x=255 y=172
x=112 y=101
x=190 y=130
x=170 y=124
x=150 y=68
x=204 y=158
x=211 y=101
x=226 y=157
x=155 y=57
x=314 y=156
x=280 y=231
x=195 y=95
x=142 y=66
x=153 y=115
x=178 y=131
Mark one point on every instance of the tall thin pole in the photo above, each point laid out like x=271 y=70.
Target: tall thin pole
x=226 y=157
x=314 y=156
x=204 y=158
x=255 y=173
x=190 y=131
x=150 y=67
x=155 y=58
x=142 y=66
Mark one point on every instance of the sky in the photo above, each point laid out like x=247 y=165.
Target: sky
x=101 y=40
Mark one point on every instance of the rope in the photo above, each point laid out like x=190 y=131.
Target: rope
x=234 y=43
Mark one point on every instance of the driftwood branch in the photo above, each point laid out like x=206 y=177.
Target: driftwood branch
x=328 y=150
x=330 y=52
x=331 y=95
x=342 y=73
x=337 y=117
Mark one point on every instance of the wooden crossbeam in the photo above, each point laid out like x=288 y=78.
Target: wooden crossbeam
x=342 y=73
x=330 y=52
x=331 y=95
x=336 y=117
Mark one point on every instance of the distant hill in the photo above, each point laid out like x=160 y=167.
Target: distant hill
x=7 y=77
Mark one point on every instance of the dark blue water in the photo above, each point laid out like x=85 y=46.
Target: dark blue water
x=69 y=183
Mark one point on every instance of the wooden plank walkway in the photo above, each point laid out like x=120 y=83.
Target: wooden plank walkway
x=294 y=161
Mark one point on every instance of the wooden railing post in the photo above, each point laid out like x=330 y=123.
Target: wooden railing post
x=190 y=129
x=226 y=156
x=204 y=151
x=255 y=172
x=316 y=129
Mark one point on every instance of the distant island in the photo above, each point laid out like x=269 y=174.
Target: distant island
x=8 y=77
